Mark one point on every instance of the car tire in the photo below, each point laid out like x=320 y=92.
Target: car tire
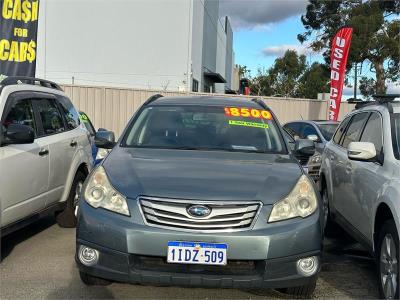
x=387 y=258
x=331 y=229
x=91 y=280
x=301 y=292
x=67 y=218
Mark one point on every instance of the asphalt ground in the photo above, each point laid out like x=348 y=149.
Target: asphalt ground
x=38 y=263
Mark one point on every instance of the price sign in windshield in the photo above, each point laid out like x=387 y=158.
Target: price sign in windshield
x=248 y=113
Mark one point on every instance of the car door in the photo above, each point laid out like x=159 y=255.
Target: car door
x=53 y=131
x=368 y=178
x=65 y=146
x=343 y=192
x=24 y=168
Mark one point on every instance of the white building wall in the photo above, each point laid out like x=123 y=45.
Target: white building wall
x=141 y=43
x=221 y=56
x=197 y=42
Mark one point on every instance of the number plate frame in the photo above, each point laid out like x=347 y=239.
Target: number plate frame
x=202 y=257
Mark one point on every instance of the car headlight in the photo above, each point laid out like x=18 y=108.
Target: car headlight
x=100 y=193
x=102 y=153
x=316 y=159
x=301 y=202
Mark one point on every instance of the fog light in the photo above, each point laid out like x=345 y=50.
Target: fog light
x=88 y=256
x=307 y=266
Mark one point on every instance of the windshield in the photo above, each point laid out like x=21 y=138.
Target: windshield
x=205 y=128
x=396 y=134
x=85 y=120
x=327 y=130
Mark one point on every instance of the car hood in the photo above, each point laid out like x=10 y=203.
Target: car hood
x=201 y=175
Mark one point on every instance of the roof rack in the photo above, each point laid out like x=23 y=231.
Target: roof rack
x=385 y=99
x=29 y=80
x=152 y=98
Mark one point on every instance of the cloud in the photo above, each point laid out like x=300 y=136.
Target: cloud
x=249 y=14
x=393 y=88
x=281 y=49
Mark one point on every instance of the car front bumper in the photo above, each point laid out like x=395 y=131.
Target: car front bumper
x=263 y=257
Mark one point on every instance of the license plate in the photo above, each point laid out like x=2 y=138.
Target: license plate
x=197 y=253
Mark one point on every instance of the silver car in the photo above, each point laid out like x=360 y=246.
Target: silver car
x=360 y=184
x=45 y=153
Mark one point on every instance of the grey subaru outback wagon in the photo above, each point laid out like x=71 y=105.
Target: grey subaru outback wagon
x=201 y=191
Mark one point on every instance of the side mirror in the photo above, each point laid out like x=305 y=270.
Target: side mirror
x=304 y=148
x=313 y=137
x=104 y=139
x=17 y=134
x=361 y=151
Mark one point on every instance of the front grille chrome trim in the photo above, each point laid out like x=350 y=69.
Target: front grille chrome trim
x=226 y=216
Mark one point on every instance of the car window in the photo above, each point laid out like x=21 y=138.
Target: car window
x=205 y=128
x=21 y=113
x=70 y=114
x=288 y=136
x=50 y=116
x=88 y=124
x=354 y=130
x=327 y=130
x=373 y=132
x=396 y=134
x=293 y=129
x=308 y=130
x=339 y=133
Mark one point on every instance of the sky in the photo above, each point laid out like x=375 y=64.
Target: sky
x=265 y=29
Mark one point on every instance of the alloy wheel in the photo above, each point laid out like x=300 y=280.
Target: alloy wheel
x=388 y=267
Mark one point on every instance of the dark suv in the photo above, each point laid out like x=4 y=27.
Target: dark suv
x=201 y=191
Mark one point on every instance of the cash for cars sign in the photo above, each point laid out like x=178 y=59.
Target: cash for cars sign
x=18 y=36
x=339 y=53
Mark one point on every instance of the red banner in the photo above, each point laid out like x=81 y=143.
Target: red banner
x=339 y=53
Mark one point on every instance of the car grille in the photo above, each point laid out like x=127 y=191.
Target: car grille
x=313 y=171
x=224 y=216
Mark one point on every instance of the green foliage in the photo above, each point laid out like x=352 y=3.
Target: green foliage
x=291 y=77
x=243 y=71
x=313 y=81
x=367 y=87
x=285 y=73
x=376 y=33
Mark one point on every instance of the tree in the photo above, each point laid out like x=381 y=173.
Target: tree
x=243 y=71
x=313 y=81
x=367 y=87
x=291 y=77
x=376 y=33
x=261 y=84
x=283 y=76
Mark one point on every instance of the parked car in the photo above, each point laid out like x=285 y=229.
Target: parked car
x=360 y=183
x=201 y=191
x=45 y=153
x=98 y=153
x=320 y=132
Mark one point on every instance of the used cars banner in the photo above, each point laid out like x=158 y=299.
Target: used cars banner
x=18 y=37
x=339 y=53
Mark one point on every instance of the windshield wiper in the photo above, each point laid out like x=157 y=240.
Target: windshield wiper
x=201 y=148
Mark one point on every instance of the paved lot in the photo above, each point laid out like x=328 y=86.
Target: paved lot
x=39 y=264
